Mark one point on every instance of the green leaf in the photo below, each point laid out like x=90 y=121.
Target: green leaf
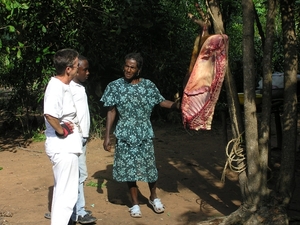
x=7 y=6
x=6 y=61
x=21 y=44
x=46 y=50
x=38 y=59
x=44 y=29
x=16 y=4
x=11 y=28
x=19 y=54
x=24 y=6
x=0 y=43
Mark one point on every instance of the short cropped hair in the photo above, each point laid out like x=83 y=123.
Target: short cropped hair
x=64 y=58
x=137 y=57
x=81 y=58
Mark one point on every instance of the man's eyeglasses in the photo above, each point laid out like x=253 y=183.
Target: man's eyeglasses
x=76 y=67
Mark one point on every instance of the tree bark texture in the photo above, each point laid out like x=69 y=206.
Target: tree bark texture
x=253 y=181
x=251 y=130
x=236 y=122
x=216 y=15
x=287 y=168
x=265 y=123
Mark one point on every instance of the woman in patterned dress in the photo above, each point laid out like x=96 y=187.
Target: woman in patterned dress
x=133 y=98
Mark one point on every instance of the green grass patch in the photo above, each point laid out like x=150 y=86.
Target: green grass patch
x=92 y=184
x=38 y=136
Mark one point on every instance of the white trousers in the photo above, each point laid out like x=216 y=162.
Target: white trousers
x=79 y=209
x=65 y=192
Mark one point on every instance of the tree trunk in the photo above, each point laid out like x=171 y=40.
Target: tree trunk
x=264 y=131
x=253 y=181
x=216 y=16
x=251 y=130
x=236 y=123
x=286 y=177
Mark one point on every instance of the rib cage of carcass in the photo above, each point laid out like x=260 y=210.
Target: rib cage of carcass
x=204 y=84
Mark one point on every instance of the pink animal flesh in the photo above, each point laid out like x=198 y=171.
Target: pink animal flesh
x=204 y=85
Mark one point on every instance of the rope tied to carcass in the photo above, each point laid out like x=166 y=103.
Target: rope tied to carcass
x=235 y=155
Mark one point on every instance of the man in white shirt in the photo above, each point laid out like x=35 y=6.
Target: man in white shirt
x=82 y=111
x=63 y=142
x=81 y=103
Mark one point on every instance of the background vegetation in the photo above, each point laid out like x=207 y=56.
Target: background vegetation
x=105 y=31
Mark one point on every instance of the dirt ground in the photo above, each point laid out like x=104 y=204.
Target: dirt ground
x=190 y=169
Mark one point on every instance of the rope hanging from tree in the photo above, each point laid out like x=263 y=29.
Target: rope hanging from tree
x=235 y=155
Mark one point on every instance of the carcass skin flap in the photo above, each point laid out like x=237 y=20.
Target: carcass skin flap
x=204 y=85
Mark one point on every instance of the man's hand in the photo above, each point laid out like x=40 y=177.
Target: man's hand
x=67 y=128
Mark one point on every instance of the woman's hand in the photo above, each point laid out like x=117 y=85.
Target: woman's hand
x=106 y=144
x=110 y=118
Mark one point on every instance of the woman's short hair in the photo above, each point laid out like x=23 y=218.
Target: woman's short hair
x=137 y=57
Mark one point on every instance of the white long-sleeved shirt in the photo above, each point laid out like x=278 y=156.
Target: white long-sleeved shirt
x=58 y=102
x=82 y=107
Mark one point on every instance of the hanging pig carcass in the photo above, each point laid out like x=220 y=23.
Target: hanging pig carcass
x=204 y=83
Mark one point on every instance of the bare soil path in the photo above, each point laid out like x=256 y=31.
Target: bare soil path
x=190 y=167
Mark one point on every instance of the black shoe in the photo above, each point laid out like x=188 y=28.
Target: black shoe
x=89 y=212
x=86 y=219
x=48 y=214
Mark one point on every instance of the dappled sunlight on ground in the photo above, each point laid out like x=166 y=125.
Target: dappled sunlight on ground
x=190 y=168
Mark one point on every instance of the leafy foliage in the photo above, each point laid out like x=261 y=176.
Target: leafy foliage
x=104 y=31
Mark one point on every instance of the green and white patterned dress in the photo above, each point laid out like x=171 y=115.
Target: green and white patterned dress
x=134 y=158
